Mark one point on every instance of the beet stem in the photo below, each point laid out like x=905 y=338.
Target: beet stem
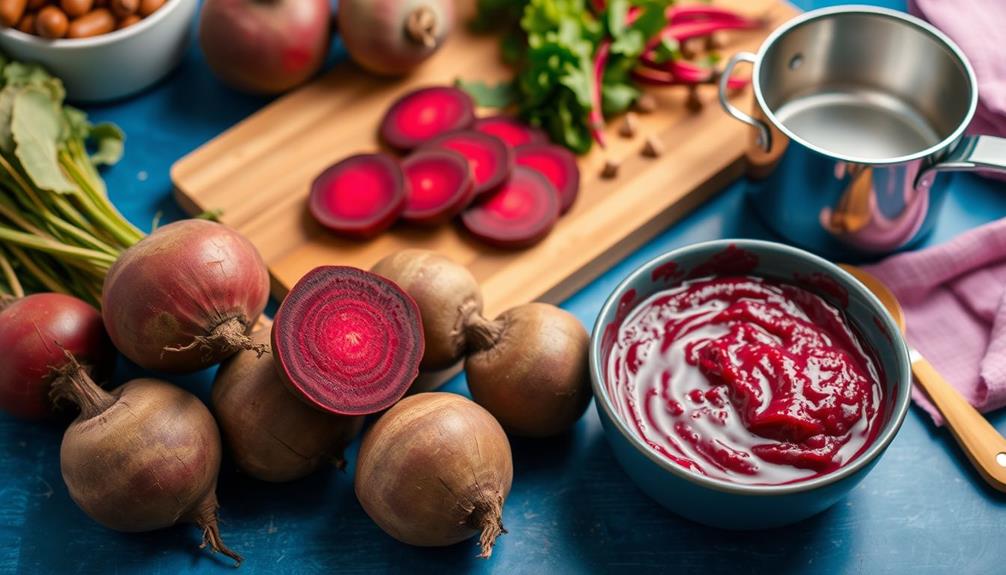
x=74 y=384
x=207 y=520
x=421 y=26
x=482 y=334
x=489 y=517
x=229 y=336
x=11 y=278
x=6 y=300
x=596 y=113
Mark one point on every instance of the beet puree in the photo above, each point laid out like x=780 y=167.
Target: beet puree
x=746 y=380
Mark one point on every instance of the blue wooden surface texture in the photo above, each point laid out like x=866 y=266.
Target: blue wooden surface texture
x=923 y=510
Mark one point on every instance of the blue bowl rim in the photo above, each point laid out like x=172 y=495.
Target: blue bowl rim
x=891 y=426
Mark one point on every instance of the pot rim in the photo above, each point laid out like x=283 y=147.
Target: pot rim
x=907 y=19
x=899 y=409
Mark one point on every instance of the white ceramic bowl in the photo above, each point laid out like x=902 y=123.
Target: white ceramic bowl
x=112 y=65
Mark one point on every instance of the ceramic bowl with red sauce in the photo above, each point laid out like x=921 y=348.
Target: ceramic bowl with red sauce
x=747 y=384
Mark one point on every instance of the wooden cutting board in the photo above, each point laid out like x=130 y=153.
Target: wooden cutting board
x=258 y=174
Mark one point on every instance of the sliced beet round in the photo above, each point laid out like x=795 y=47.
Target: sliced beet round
x=348 y=341
x=519 y=215
x=360 y=196
x=491 y=158
x=555 y=163
x=440 y=186
x=424 y=114
x=510 y=130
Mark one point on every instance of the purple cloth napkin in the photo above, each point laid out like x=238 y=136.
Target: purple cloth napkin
x=954 y=297
x=979 y=28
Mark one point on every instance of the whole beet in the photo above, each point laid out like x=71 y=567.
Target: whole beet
x=435 y=470
x=447 y=295
x=34 y=331
x=393 y=37
x=265 y=46
x=529 y=368
x=272 y=435
x=144 y=456
x=185 y=297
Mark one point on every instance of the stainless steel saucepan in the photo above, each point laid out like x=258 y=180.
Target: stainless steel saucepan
x=857 y=109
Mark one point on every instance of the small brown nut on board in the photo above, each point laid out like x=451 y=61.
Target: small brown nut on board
x=629 y=126
x=694 y=102
x=27 y=24
x=692 y=47
x=128 y=21
x=716 y=40
x=51 y=22
x=148 y=7
x=93 y=23
x=76 y=8
x=646 y=104
x=123 y=8
x=610 y=169
x=653 y=148
x=11 y=11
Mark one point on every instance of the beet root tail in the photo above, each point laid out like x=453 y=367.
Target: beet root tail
x=207 y=521
x=230 y=336
x=73 y=383
x=490 y=519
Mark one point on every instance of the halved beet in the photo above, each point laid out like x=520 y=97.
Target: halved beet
x=555 y=163
x=424 y=114
x=440 y=186
x=360 y=196
x=490 y=157
x=348 y=341
x=510 y=130
x=521 y=214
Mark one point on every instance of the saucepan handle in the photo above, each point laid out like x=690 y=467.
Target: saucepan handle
x=764 y=135
x=971 y=153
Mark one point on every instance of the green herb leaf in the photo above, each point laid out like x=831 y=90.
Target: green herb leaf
x=617 y=12
x=16 y=74
x=108 y=141
x=617 y=98
x=6 y=110
x=668 y=49
x=37 y=126
x=499 y=95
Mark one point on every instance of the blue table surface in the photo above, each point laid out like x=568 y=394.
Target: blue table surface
x=572 y=509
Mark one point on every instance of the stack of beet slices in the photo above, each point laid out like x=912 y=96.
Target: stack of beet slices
x=498 y=177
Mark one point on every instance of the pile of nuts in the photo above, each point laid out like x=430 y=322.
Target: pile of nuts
x=74 y=18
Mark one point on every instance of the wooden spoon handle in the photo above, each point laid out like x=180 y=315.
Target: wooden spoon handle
x=984 y=446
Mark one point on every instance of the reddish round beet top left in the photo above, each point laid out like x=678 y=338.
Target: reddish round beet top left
x=34 y=331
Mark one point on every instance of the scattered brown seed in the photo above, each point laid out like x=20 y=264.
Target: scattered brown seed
x=76 y=8
x=610 y=170
x=646 y=104
x=694 y=102
x=51 y=22
x=128 y=21
x=629 y=126
x=653 y=148
x=716 y=40
x=27 y=23
x=692 y=47
x=122 y=9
